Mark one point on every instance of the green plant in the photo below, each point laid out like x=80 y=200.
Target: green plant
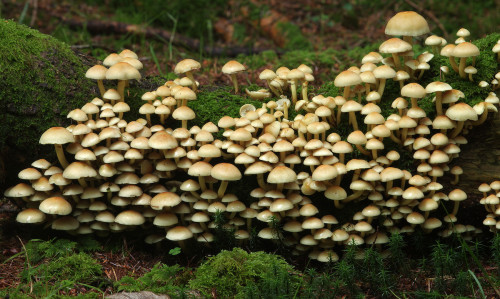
x=227 y=273
x=275 y=284
x=161 y=278
x=495 y=251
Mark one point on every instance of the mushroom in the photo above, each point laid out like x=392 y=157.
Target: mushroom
x=463 y=51
x=58 y=136
x=395 y=46
x=97 y=72
x=347 y=79
x=231 y=68
x=407 y=24
x=187 y=66
x=225 y=172
x=123 y=72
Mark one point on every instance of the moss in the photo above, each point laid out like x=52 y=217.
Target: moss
x=41 y=81
x=229 y=272
x=212 y=104
x=294 y=39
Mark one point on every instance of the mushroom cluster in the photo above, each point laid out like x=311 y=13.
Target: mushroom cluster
x=172 y=181
x=491 y=202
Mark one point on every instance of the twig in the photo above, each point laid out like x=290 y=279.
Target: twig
x=92 y=46
x=431 y=15
x=108 y=27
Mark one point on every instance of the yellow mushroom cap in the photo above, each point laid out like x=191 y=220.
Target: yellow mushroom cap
x=408 y=23
x=233 y=67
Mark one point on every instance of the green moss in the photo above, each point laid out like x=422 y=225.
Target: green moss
x=213 y=104
x=41 y=81
x=294 y=39
x=230 y=271
x=162 y=279
x=486 y=66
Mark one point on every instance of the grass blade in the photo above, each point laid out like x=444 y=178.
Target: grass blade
x=155 y=59
x=24 y=11
x=478 y=284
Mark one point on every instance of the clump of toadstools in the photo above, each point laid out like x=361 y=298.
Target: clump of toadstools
x=116 y=176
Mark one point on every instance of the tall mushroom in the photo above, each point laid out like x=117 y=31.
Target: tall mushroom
x=231 y=68
x=58 y=136
x=225 y=172
x=407 y=24
x=187 y=66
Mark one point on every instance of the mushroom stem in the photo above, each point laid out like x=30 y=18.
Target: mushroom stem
x=201 y=180
x=482 y=119
x=456 y=205
x=222 y=189
x=280 y=187
x=82 y=182
x=294 y=91
x=461 y=68
x=60 y=155
x=235 y=82
x=352 y=119
x=394 y=138
x=354 y=196
x=362 y=150
x=457 y=129
x=102 y=90
x=121 y=89
x=260 y=180
x=408 y=39
x=338 y=205
x=397 y=63
x=304 y=90
x=276 y=92
x=381 y=87
x=453 y=63
x=184 y=123
x=347 y=91
x=190 y=76
x=439 y=105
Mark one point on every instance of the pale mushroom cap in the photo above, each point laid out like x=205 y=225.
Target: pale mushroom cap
x=183 y=113
x=267 y=74
x=65 y=223
x=186 y=65
x=30 y=216
x=413 y=90
x=78 y=170
x=97 y=72
x=465 y=49
x=394 y=45
x=433 y=40
x=57 y=135
x=55 y=206
x=437 y=86
x=347 y=78
x=225 y=172
x=179 y=233
x=233 y=67
x=122 y=71
x=407 y=23
x=384 y=72
x=457 y=195
x=112 y=59
x=281 y=174
x=130 y=217
x=461 y=112
x=185 y=93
